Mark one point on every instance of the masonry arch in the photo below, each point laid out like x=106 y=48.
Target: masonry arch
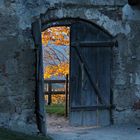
x=69 y=21
x=97 y=42
x=82 y=12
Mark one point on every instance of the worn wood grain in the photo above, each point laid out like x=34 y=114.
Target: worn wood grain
x=89 y=75
x=39 y=96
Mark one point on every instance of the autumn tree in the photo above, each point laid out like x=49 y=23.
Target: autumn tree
x=56 y=41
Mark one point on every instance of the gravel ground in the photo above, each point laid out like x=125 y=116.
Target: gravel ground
x=59 y=129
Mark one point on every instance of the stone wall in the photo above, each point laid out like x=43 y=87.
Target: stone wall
x=17 y=59
x=17 y=70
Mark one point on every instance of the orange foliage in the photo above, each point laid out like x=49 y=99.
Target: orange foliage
x=58 y=36
x=56 y=70
x=56 y=99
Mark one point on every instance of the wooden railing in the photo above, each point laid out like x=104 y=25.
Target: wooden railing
x=50 y=91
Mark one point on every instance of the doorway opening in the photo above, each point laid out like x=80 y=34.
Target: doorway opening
x=56 y=54
x=89 y=83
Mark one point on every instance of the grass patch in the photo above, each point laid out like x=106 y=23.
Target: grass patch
x=56 y=109
x=10 y=135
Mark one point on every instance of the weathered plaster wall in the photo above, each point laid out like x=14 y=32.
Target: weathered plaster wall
x=17 y=59
x=126 y=70
x=17 y=71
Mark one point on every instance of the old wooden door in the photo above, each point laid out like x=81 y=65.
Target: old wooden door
x=90 y=70
x=39 y=96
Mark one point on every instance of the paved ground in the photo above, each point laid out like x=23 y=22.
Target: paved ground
x=59 y=129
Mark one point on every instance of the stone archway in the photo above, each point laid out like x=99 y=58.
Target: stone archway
x=43 y=26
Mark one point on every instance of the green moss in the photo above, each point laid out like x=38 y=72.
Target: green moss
x=10 y=135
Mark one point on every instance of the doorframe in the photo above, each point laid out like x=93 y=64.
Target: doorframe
x=68 y=22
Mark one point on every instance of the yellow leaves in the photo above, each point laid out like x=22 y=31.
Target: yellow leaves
x=56 y=70
x=56 y=99
x=56 y=35
x=55 y=40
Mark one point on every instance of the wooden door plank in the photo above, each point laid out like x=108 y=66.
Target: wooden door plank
x=94 y=44
x=40 y=102
x=104 y=69
x=83 y=73
x=75 y=88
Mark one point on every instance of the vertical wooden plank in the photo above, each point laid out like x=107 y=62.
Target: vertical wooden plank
x=39 y=96
x=75 y=82
x=49 y=93
x=66 y=96
x=75 y=88
x=89 y=97
x=104 y=65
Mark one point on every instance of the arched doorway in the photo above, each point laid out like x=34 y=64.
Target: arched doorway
x=90 y=73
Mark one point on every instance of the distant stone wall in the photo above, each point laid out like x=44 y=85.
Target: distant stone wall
x=17 y=58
